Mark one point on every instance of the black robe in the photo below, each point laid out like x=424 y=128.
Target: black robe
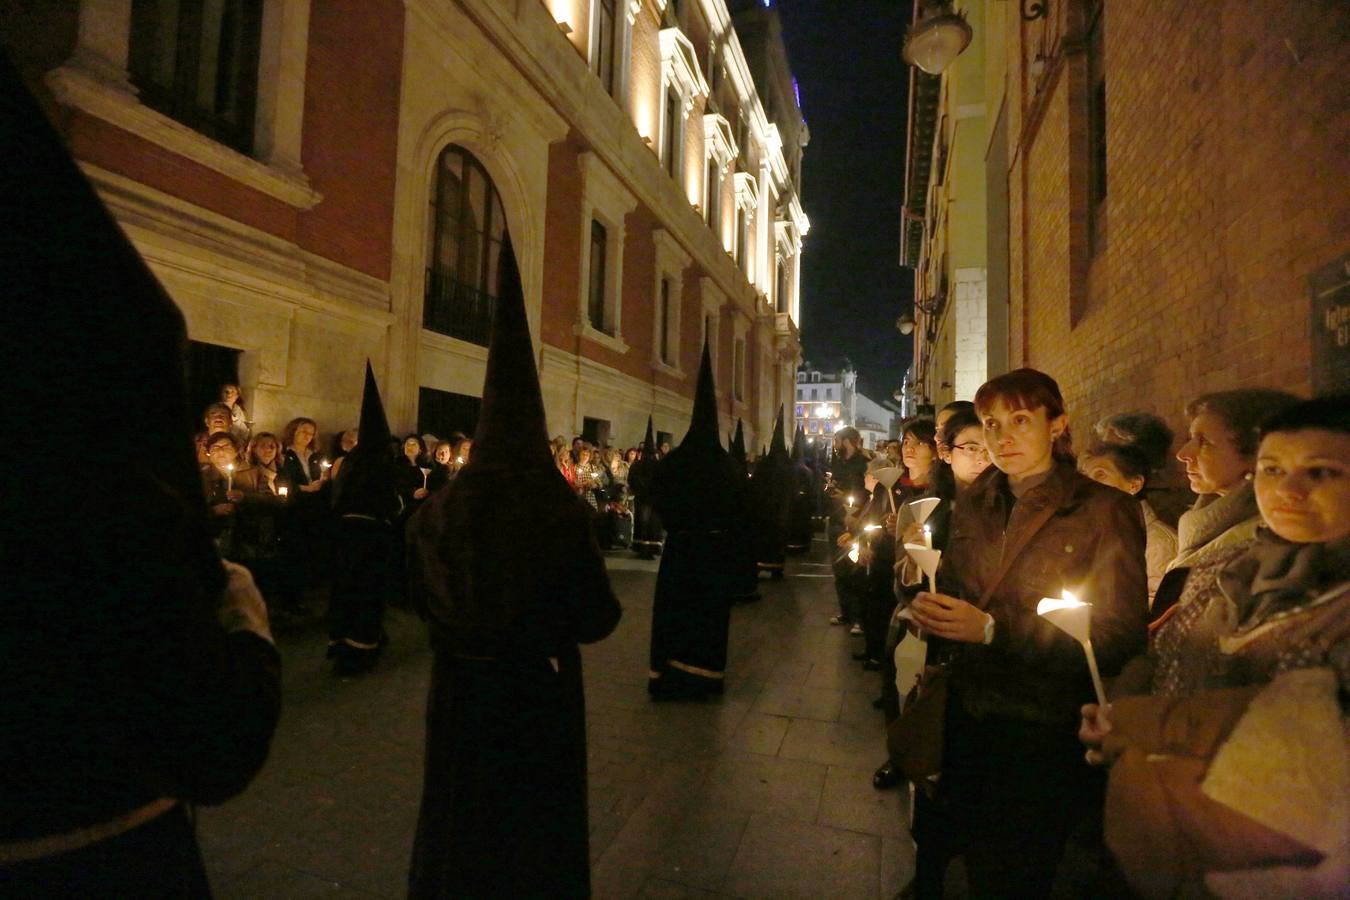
x=648 y=534
x=700 y=495
x=801 y=509
x=504 y=805
x=770 y=495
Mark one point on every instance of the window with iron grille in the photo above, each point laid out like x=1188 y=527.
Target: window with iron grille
x=196 y=61
x=670 y=147
x=1096 y=128
x=665 y=320
x=468 y=227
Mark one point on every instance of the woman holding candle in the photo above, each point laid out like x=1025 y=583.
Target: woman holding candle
x=303 y=469
x=412 y=481
x=1245 y=801
x=1013 y=777
x=443 y=466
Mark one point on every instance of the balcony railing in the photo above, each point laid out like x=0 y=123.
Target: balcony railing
x=457 y=310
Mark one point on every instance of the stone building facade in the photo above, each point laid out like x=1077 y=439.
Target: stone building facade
x=316 y=183
x=1158 y=184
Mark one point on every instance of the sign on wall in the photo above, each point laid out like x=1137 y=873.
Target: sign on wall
x=1330 y=289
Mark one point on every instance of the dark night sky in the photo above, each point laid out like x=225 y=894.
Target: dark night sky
x=846 y=57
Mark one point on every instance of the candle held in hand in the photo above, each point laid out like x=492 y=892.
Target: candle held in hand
x=1074 y=618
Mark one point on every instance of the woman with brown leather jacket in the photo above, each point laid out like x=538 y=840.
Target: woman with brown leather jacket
x=1013 y=774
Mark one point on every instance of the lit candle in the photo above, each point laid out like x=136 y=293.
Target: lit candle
x=325 y=465
x=850 y=501
x=425 y=473
x=229 y=477
x=1074 y=618
x=928 y=536
x=283 y=491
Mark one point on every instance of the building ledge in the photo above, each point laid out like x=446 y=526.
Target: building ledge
x=667 y=369
x=612 y=341
x=117 y=105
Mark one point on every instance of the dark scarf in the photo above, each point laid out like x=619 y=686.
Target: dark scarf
x=1276 y=575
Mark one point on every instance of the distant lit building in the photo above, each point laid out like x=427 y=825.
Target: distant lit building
x=829 y=401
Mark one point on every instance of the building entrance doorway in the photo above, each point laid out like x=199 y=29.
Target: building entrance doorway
x=208 y=367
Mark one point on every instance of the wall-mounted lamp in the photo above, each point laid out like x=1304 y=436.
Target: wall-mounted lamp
x=905 y=323
x=1034 y=9
x=565 y=28
x=937 y=39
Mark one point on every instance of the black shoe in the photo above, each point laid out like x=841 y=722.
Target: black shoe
x=879 y=703
x=860 y=656
x=886 y=777
x=872 y=665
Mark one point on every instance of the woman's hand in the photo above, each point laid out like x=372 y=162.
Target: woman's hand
x=312 y=487
x=234 y=496
x=888 y=524
x=420 y=494
x=1094 y=728
x=949 y=617
x=865 y=556
x=223 y=509
x=913 y=534
x=844 y=540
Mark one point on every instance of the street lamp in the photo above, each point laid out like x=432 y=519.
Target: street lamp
x=905 y=323
x=937 y=40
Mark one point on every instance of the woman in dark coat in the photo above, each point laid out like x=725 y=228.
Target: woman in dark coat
x=504 y=798
x=1013 y=775
x=137 y=675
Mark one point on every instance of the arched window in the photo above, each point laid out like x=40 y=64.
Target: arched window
x=467 y=229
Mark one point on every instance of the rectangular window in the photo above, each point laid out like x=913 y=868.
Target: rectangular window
x=603 y=63
x=665 y=319
x=738 y=379
x=829 y=393
x=743 y=239
x=670 y=138
x=443 y=412
x=1096 y=130
x=196 y=61
x=784 y=297
x=712 y=185
x=595 y=305
x=815 y=393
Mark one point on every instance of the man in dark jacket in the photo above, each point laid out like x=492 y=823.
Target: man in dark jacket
x=847 y=497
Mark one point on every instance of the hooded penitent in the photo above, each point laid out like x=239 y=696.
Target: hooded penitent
x=770 y=494
x=738 y=444
x=504 y=799
x=648 y=535
x=802 y=506
x=699 y=492
x=119 y=681
x=366 y=483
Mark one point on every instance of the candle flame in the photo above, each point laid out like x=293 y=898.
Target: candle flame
x=1051 y=604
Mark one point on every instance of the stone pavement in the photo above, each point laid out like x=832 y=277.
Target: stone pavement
x=763 y=793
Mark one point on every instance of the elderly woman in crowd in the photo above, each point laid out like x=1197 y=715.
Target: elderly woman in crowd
x=1220 y=459
x=1212 y=791
x=1128 y=451
x=241 y=426
x=1013 y=778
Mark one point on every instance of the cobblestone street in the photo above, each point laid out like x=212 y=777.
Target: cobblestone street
x=764 y=793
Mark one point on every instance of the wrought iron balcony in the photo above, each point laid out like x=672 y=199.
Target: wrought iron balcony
x=456 y=309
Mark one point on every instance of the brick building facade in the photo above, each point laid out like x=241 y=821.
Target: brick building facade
x=316 y=183
x=1158 y=183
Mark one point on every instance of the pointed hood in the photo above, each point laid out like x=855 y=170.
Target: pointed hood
x=649 y=439
x=367 y=483
x=738 y=443
x=799 y=446
x=511 y=425
x=778 y=446
x=703 y=426
x=89 y=336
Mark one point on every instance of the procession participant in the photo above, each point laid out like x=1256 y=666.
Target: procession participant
x=846 y=499
x=367 y=505
x=503 y=811
x=1013 y=780
x=700 y=495
x=648 y=534
x=746 y=589
x=769 y=495
x=802 y=503
x=138 y=676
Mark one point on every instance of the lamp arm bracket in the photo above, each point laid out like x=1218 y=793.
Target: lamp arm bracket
x=1034 y=9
